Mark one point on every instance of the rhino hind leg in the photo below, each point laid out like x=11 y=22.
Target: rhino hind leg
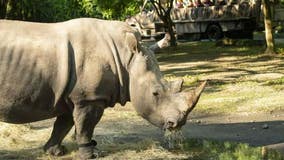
x=61 y=127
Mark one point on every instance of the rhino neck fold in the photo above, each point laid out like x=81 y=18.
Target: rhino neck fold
x=122 y=73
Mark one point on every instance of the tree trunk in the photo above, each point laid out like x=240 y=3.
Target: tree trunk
x=171 y=31
x=268 y=28
x=173 y=41
x=164 y=14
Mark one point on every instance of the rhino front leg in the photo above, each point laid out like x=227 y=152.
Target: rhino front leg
x=61 y=127
x=85 y=118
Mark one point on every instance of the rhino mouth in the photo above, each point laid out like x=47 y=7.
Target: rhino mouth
x=171 y=129
x=171 y=125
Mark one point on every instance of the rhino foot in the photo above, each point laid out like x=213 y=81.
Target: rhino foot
x=56 y=150
x=88 y=151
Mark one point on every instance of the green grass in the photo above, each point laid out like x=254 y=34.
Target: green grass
x=207 y=149
x=279 y=48
x=279 y=81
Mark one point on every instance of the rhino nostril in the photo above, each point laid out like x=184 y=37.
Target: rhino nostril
x=170 y=123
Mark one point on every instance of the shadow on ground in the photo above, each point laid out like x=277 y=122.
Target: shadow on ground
x=253 y=133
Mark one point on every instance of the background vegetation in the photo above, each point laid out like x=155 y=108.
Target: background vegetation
x=60 y=10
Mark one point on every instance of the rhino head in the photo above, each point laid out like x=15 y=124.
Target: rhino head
x=160 y=102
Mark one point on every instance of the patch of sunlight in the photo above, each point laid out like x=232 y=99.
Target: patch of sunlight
x=113 y=114
x=241 y=97
x=24 y=142
x=188 y=80
x=268 y=102
x=239 y=49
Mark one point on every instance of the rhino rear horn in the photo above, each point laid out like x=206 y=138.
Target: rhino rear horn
x=193 y=97
x=163 y=43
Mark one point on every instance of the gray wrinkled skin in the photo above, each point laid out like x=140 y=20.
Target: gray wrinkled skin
x=75 y=69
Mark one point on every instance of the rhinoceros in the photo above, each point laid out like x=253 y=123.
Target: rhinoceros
x=73 y=70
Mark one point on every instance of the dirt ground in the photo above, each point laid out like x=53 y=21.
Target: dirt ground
x=242 y=103
x=132 y=137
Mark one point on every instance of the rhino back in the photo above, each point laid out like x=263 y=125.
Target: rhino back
x=33 y=70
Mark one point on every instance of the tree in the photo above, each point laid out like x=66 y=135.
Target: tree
x=163 y=9
x=60 y=10
x=268 y=27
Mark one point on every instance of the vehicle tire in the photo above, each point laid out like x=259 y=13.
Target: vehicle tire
x=214 y=32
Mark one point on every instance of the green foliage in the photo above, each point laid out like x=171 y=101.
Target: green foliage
x=276 y=81
x=280 y=50
x=60 y=10
x=41 y=11
x=118 y=9
x=208 y=149
x=280 y=47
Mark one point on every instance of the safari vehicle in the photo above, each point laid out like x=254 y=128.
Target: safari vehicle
x=228 y=17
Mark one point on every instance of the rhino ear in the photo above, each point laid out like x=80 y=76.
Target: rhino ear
x=176 y=86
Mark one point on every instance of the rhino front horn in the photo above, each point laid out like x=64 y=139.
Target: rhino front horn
x=193 y=97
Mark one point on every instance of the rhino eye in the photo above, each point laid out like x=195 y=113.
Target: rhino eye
x=157 y=90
